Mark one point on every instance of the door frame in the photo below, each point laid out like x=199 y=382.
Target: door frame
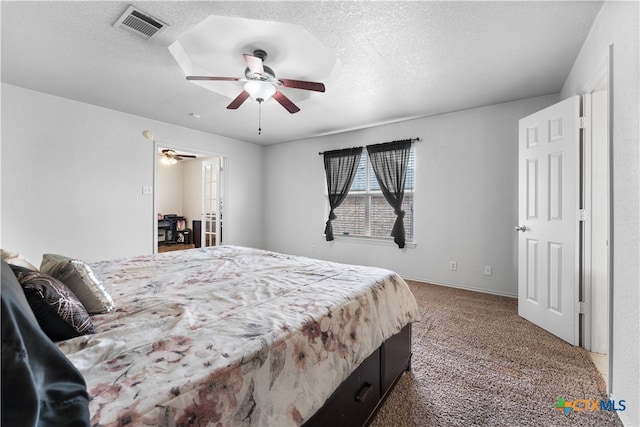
x=156 y=159
x=602 y=72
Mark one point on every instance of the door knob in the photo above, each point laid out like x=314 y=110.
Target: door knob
x=521 y=228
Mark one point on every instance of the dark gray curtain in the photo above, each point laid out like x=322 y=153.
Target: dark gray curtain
x=390 y=161
x=339 y=167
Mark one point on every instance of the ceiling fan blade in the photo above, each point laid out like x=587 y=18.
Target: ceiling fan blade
x=185 y=156
x=254 y=63
x=239 y=100
x=300 y=84
x=172 y=153
x=226 y=79
x=285 y=102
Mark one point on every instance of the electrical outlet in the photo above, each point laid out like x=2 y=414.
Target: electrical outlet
x=147 y=190
x=488 y=271
x=453 y=265
x=313 y=249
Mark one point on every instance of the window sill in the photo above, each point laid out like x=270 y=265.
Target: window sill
x=371 y=241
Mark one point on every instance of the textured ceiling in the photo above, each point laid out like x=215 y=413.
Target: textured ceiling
x=399 y=60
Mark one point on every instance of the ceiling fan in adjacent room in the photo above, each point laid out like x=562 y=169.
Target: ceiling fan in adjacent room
x=170 y=157
x=261 y=83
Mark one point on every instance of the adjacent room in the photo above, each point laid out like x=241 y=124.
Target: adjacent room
x=398 y=213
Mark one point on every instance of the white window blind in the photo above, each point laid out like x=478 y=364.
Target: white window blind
x=366 y=213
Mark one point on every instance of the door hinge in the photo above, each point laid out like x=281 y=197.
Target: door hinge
x=580 y=307
x=584 y=122
x=583 y=215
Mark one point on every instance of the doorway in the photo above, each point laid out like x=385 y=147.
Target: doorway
x=187 y=209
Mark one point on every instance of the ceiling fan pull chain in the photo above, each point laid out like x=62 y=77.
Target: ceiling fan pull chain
x=260 y=117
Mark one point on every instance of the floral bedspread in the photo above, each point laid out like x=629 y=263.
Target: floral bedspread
x=232 y=336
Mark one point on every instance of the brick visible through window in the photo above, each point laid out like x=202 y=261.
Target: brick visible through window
x=365 y=212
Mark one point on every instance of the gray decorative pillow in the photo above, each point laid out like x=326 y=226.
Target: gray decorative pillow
x=58 y=312
x=79 y=277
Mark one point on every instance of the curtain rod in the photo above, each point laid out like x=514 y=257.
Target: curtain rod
x=412 y=140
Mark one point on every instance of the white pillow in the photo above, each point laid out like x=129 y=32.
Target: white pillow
x=15 y=258
x=82 y=281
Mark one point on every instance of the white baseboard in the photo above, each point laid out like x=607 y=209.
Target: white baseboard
x=468 y=288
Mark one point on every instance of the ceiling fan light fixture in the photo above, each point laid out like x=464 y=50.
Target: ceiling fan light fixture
x=168 y=160
x=258 y=90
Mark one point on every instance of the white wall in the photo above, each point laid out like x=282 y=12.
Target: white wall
x=72 y=177
x=618 y=25
x=192 y=194
x=171 y=187
x=465 y=197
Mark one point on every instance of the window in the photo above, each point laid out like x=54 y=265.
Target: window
x=365 y=212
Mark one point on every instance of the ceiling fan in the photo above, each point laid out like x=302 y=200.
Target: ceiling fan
x=170 y=157
x=261 y=83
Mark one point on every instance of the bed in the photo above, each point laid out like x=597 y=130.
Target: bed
x=234 y=336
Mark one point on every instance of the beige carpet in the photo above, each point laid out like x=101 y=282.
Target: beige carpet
x=477 y=363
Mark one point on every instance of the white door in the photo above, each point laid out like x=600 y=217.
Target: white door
x=212 y=201
x=548 y=264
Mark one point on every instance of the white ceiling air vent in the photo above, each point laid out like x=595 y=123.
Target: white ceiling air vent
x=139 y=23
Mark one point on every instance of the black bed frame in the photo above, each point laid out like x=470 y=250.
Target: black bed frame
x=356 y=401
